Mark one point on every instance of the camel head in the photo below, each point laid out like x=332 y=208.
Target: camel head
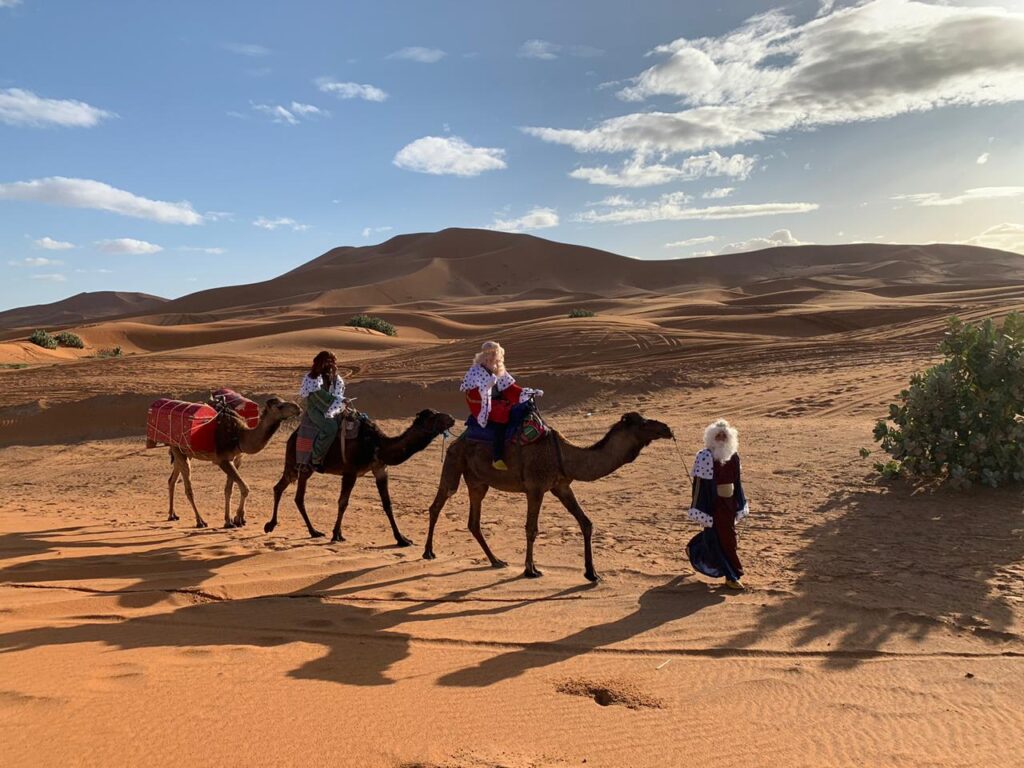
x=433 y=421
x=647 y=430
x=278 y=410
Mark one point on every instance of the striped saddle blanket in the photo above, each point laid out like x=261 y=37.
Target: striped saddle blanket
x=307 y=432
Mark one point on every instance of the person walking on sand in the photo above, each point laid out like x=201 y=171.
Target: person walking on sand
x=491 y=393
x=718 y=503
x=323 y=391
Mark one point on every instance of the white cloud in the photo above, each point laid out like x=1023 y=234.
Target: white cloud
x=87 y=193
x=19 y=107
x=128 y=245
x=210 y=251
x=928 y=199
x=448 y=155
x=9 y=3
x=691 y=241
x=536 y=218
x=271 y=224
x=1005 y=237
x=546 y=50
x=638 y=173
x=673 y=207
x=351 y=90
x=777 y=238
x=291 y=114
x=49 y=244
x=50 y=277
x=421 y=55
x=869 y=61
x=982 y=158
x=718 y=193
x=36 y=261
x=367 y=231
x=246 y=49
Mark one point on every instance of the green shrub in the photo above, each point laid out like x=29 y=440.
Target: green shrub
x=42 y=339
x=582 y=313
x=68 y=339
x=960 y=420
x=115 y=352
x=373 y=323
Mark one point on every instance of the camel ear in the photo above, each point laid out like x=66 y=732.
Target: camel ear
x=632 y=419
x=273 y=402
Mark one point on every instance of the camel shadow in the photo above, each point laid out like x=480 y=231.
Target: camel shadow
x=41 y=542
x=656 y=607
x=155 y=572
x=889 y=564
x=360 y=644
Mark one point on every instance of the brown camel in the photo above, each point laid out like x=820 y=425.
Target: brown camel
x=232 y=439
x=372 y=451
x=550 y=464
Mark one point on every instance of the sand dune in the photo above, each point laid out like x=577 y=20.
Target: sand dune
x=78 y=308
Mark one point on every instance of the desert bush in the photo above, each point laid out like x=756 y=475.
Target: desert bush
x=582 y=313
x=373 y=323
x=41 y=338
x=115 y=352
x=960 y=420
x=68 y=339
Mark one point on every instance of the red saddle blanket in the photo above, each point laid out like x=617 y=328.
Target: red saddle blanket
x=243 y=406
x=189 y=426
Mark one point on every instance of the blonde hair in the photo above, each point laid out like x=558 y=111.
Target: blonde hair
x=492 y=357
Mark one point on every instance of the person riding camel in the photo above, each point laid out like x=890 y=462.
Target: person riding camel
x=492 y=393
x=323 y=390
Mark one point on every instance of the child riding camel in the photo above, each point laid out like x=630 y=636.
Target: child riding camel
x=324 y=393
x=492 y=393
x=718 y=503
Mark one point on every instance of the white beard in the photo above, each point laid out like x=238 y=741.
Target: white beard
x=723 y=451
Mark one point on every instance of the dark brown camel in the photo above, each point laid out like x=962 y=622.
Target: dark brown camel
x=550 y=464
x=372 y=451
x=232 y=439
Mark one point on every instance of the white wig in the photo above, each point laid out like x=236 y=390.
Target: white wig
x=492 y=357
x=723 y=451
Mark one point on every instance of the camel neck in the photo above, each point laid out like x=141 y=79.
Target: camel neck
x=255 y=440
x=398 y=449
x=618 y=447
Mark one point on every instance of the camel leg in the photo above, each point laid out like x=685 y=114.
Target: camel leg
x=240 y=513
x=534 y=499
x=185 y=467
x=234 y=479
x=380 y=474
x=300 y=502
x=476 y=499
x=172 y=481
x=450 y=476
x=348 y=482
x=565 y=495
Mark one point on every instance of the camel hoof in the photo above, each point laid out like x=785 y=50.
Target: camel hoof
x=239 y=522
x=498 y=563
x=172 y=517
x=337 y=538
x=201 y=524
x=592 y=577
x=429 y=555
x=401 y=541
x=228 y=524
x=315 y=534
x=268 y=527
x=532 y=573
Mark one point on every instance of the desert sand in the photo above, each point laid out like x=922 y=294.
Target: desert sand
x=882 y=624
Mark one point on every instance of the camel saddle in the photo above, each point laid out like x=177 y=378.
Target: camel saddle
x=349 y=427
x=525 y=426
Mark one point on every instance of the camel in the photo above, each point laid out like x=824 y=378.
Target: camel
x=232 y=439
x=372 y=451
x=550 y=464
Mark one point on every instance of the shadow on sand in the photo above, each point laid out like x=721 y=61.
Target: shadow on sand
x=886 y=564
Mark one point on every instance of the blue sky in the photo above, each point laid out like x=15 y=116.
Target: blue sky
x=170 y=147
